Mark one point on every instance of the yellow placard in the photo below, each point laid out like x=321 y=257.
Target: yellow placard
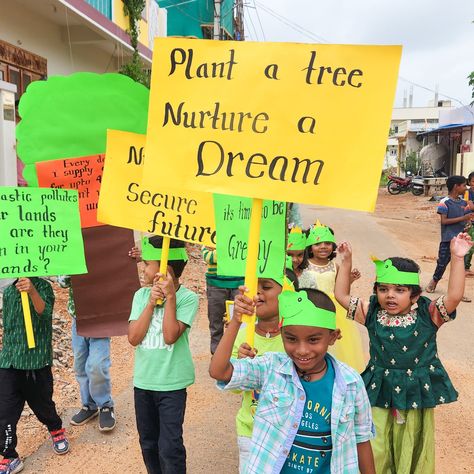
x=154 y=208
x=287 y=121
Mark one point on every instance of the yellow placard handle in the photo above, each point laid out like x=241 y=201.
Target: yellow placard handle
x=25 y=303
x=251 y=280
x=164 y=261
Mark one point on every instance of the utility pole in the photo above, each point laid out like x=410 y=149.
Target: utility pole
x=217 y=19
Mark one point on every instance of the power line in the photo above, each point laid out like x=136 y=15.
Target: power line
x=259 y=21
x=303 y=31
x=290 y=23
x=253 y=26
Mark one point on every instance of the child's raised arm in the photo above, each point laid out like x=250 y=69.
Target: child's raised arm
x=459 y=247
x=342 y=288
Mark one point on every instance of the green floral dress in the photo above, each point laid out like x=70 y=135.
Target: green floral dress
x=404 y=371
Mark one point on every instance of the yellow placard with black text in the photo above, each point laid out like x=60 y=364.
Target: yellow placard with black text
x=295 y=122
x=154 y=208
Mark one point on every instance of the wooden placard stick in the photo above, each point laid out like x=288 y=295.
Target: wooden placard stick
x=251 y=280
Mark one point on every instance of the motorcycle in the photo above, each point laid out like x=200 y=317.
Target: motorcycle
x=397 y=185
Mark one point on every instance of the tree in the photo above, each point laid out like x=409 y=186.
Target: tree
x=135 y=68
x=471 y=83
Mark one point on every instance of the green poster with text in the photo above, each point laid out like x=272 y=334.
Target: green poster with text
x=232 y=215
x=40 y=232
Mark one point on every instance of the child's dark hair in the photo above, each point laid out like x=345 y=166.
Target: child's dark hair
x=405 y=265
x=291 y=275
x=471 y=175
x=453 y=180
x=177 y=265
x=309 y=253
x=319 y=299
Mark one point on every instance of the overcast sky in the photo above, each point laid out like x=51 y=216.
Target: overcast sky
x=437 y=35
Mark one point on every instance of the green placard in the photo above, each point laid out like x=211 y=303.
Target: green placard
x=40 y=232
x=232 y=215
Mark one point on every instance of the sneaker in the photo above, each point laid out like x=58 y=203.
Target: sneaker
x=10 y=466
x=60 y=442
x=83 y=416
x=106 y=419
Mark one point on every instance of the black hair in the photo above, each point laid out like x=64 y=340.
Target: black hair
x=177 y=265
x=309 y=252
x=471 y=175
x=291 y=275
x=319 y=299
x=453 y=180
x=405 y=265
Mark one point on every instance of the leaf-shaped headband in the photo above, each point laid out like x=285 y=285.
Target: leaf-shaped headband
x=388 y=273
x=297 y=310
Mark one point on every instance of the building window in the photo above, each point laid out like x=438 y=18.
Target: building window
x=103 y=6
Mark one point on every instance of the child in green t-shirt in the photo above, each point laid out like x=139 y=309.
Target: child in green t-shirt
x=267 y=339
x=163 y=363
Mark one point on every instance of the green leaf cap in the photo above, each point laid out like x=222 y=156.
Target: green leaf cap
x=152 y=253
x=388 y=273
x=296 y=239
x=320 y=233
x=297 y=310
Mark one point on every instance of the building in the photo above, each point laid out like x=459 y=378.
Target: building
x=405 y=127
x=41 y=38
x=455 y=132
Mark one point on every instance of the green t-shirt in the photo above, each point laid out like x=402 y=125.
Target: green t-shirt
x=158 y=366
x=246 y=413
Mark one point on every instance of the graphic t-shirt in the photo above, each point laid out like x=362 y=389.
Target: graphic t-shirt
x=312 y=447
x=246 y=413
x=452 y=208
x=159 y=366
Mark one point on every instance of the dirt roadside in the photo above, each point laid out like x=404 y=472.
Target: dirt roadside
x=401 y=225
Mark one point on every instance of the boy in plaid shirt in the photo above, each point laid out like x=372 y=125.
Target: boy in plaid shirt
x=313 y=414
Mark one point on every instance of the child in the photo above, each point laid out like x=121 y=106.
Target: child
x=297 y=259
x=454 y=212
x=92 y=370
x=313 y=413
x=25 y=374
x=469 y=226
x=163 y=363
x=321 y=274
x=404 y=377
x=218 y=289
x=267 y=339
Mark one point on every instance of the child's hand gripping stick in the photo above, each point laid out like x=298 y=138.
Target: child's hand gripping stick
x=30 y=337
x=251 y=280
x=164 y=262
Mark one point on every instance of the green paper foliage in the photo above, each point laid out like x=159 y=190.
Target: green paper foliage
x=68 y=116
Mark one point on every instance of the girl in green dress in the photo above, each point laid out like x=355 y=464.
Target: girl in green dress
x=404 y=378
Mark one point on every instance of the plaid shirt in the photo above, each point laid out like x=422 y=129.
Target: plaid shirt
x=280 y=408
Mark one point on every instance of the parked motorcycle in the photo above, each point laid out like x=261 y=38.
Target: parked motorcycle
x=397 y=185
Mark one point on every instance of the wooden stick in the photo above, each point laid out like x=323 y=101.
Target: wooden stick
x=164 y=262
x=251 y=280
x=25 y=303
